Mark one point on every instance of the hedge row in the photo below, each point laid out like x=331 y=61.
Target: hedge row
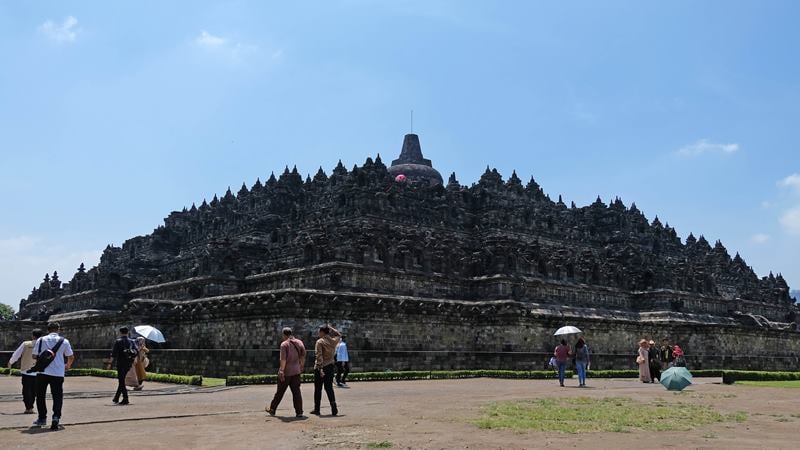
x=408 y=375
x=754 y=375
x=194 y=380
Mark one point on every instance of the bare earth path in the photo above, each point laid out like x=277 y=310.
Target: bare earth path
x=407 y=414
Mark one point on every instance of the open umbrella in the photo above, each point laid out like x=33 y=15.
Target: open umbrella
x=149 y=332
x=567 y=330
x=676 y=378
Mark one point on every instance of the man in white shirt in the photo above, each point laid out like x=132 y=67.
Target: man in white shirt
x=24 y=354
x=342 y=363
x=53 y=374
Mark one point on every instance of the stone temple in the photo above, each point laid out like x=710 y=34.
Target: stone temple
x=420 y=275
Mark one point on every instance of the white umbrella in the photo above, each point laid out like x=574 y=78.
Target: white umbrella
x=149 y=332
x=569 y=329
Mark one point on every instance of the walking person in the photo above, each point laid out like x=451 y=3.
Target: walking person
x=654 y=361
x=643 y=360
x=136 y=374
x=24 y=354
x=293 y=360
x=50 y=352
x=324 y=351
x=581 y=360
x=561 y=353
x=342 y=363
x=124 y=353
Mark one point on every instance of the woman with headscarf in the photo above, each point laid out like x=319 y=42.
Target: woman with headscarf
x=655 y=362
x=643 y=360
x=136 y=375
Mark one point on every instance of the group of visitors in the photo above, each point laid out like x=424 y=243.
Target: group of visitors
x=330 y=353
x=131 y=361
x=580 y=356
x=652 y=359
x=44 y=361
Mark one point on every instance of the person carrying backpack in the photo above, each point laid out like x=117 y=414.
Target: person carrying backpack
x=49 y=352
x=124 y=353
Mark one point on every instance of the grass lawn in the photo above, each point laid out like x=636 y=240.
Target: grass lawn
x=617 y=414
x=780 y=384
x=211 y=382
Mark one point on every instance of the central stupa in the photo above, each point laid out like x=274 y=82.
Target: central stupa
x=413 y=165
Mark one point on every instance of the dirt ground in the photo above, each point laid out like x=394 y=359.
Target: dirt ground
x=408 y=414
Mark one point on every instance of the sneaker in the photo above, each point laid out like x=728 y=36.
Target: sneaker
x=271 y=412
x=29 y=411
x=315 y=412
x=124 y=402
x=40 y=422
x=300 y=416
x=54 y=423
x=339 y=385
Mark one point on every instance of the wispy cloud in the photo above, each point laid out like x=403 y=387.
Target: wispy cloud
x=790 y=221
x=704 y=146
x=759 y=238
x=227 y=47
x=791 y=182
x=64 y=33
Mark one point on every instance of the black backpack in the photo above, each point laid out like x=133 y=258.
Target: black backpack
x=131 y=351
x=45 y=358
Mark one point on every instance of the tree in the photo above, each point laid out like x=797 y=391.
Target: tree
x=6 y=311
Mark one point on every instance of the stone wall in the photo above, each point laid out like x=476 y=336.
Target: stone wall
x=238 y=334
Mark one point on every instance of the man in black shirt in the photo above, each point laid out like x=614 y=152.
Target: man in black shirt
x=123 y=352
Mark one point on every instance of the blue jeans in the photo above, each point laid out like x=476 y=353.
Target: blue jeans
x=581 y=365
x=561 y=367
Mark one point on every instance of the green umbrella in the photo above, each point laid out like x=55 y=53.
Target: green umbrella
x=676 y=378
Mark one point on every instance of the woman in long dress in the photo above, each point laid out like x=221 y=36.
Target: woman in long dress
x=644 y=361
x=136 y=375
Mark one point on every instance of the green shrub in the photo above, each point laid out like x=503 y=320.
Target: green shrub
x=753 y=375
x=6 y=370
x=409 y=375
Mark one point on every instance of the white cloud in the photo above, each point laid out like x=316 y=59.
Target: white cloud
x=208 y=40
x=791 y=182
x=64 y=33
x=25 y=259
x=759 y=238
x=704 y=146
x=790 y=220
x=226 y=47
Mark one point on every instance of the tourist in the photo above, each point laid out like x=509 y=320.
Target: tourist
x=136 y=374
x=654 y=361
x=51 y=371
x=293 y=360
x=342 y=363
x=581 y=360
x=24 y=354
x=665 y=354
x=680 y=359
x=324 y=350
x=643 y=360
x=124 y=353
x=561 y=353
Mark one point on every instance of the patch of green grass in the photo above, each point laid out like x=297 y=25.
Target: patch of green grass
x=212 y=382
x=381 y=444
x=582 y=414
x=778 y=384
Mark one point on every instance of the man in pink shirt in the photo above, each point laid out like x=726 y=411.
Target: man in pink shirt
x=293 y=358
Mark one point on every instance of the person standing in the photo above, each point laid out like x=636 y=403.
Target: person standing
x=581 y=360
x=52 y=374
x=124 y=353
x=654 y=361
x=561 y=353
x=342 y=363
x=293 y=359
x=643 y=360
x=324 y=351
x=24 y=354
x=665 y=354
x=679 y=358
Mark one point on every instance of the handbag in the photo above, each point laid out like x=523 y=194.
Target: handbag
x=639 y=359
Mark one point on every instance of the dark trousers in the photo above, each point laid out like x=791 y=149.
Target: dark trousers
x=28 y=390
x=121 y=388
x=342 y=369
x=292 y=383
x=56 y=391
x=324 y=379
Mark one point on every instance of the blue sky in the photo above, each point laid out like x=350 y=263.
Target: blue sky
x=112 y=115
